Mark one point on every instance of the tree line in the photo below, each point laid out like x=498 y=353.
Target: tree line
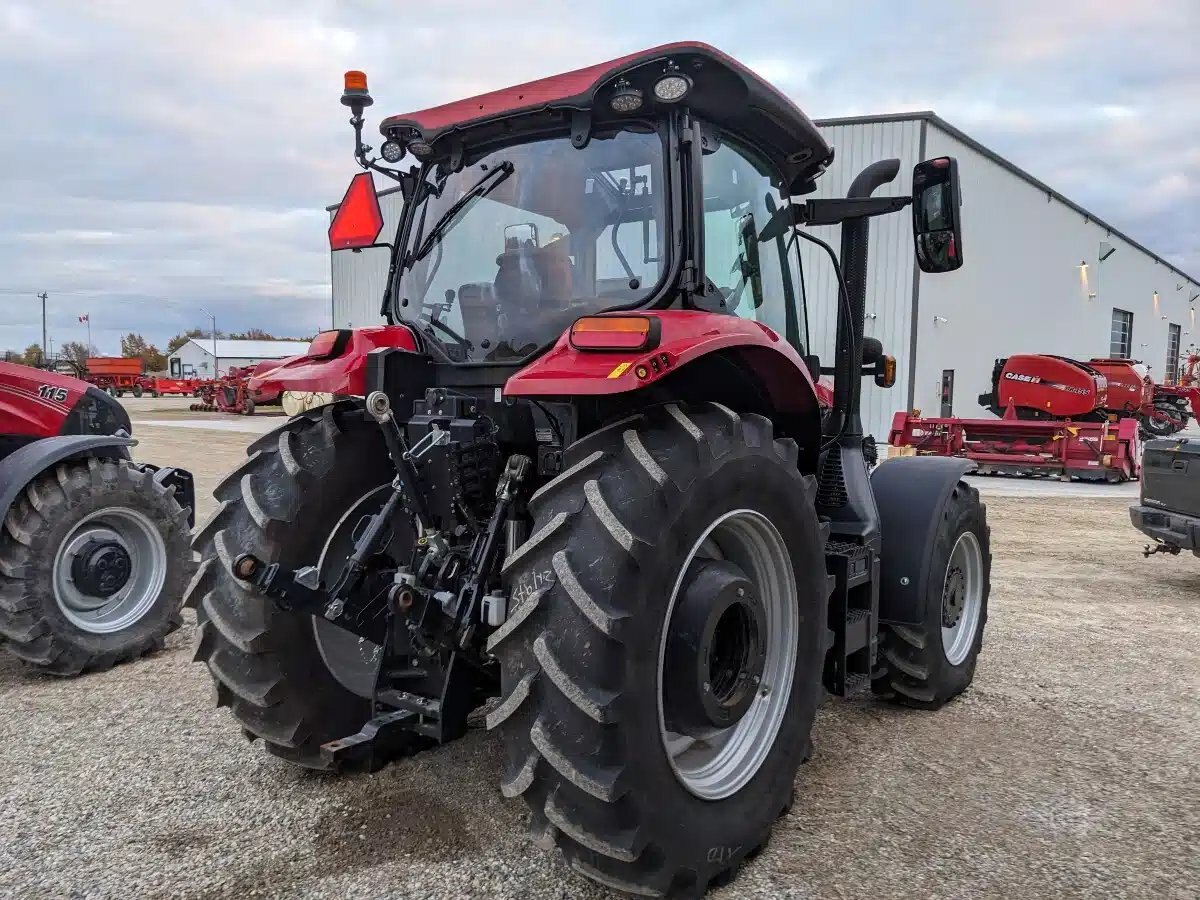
x=135 y=345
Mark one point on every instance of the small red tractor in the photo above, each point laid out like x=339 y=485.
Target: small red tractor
x=94 y=551
x=582 y=476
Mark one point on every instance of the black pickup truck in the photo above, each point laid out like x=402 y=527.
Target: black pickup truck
x=1169 y=511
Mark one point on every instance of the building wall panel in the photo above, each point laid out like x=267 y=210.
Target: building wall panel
x=1021 y=289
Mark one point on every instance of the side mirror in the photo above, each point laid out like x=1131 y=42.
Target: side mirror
x=936 y=226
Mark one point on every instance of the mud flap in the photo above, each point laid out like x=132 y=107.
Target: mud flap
x=910 y=493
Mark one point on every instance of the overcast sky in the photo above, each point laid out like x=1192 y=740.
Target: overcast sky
x=158 y=157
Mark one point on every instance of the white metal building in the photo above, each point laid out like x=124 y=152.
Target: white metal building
x=196 y=356
x=1041 y=274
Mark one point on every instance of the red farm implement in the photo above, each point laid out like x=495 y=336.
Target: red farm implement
x=227 y=394
x=115 y=374
x=1054 y=416
x=235 y=393
x=157 y=386
x=1090 y=451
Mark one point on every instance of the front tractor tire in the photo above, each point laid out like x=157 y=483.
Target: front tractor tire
x=282 y=504
x=93 y=563
x=661 y=661
x=928 y=664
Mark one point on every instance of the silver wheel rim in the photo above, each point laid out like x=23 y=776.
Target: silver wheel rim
x=352 y=660
x=720 y=765
x=962 y=598
x=136 y=534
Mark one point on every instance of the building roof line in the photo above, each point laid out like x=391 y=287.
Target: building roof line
x=238 y=348
x=931 y=116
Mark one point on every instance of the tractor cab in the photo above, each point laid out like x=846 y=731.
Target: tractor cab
x=584 y=474
x=607 y=188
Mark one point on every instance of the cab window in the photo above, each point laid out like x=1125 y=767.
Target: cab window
x=754 y=279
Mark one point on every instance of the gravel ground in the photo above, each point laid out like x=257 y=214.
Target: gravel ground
x=1070 y=768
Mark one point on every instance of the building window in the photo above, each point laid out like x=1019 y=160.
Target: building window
x=1120 y=342
x=1173 y=338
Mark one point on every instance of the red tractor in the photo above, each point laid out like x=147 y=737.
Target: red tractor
x=94 y=551
x=582 y=475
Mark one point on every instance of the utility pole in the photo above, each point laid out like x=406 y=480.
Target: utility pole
x=214 y=338
x=42 y=297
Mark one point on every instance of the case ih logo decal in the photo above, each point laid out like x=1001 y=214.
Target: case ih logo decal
x=1037 y=379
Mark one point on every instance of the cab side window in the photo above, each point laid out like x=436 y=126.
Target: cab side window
x=750 y=278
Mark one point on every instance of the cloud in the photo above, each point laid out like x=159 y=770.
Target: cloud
x=158 y=158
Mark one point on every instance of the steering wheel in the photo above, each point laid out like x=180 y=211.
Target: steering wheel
x=467 y=346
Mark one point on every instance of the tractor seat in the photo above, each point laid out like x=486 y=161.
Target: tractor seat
x=529 y=276
x=477 y=303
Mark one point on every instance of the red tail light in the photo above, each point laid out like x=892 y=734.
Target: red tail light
x=328 y=344
x=358 y=221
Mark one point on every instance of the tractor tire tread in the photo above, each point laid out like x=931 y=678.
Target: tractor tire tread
x=31 y=629
x=248 y=645
x=554 y=714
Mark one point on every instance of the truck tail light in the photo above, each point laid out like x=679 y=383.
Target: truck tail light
x=609 y=333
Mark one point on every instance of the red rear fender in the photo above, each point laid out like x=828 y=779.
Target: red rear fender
x=344 y=374
x=685 y=336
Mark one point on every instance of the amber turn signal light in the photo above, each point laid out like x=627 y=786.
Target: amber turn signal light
x=885 y=372
x=610 y=333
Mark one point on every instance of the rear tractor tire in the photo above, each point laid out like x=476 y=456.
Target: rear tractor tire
x=302 y=484
x=661 y=661
x=93 y=563
x=928 y=664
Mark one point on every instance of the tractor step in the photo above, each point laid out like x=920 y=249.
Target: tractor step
x=853 y=615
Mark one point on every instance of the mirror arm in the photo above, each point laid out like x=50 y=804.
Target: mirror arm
x=835 y=210
x=829 y=211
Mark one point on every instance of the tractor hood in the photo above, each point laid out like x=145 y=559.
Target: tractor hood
x=715 y=87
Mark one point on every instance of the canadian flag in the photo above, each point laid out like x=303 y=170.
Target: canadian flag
x=86 y=317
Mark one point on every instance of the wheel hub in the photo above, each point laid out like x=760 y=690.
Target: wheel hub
x=101 y=568
x=953 y=597
x=715 y=650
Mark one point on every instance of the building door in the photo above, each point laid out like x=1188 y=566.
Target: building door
x=947 y=393
x=175 y=367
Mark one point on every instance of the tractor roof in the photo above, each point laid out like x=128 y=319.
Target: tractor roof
x=724 y=92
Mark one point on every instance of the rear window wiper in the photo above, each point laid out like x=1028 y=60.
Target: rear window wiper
x=484 y=186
